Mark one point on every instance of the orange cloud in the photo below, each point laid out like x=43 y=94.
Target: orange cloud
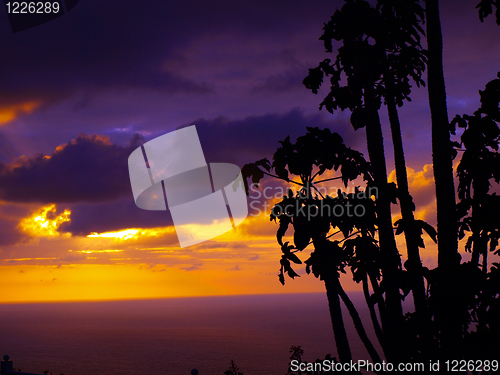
x=44 y=222
x=421 y=186
x=92 y=138
x=417 y=179
x=134 y=233
x=8 y=114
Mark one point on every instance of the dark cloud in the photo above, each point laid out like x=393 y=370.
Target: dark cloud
x=192 y=268
x=223 y=140
x=114 y=216
x=119 y=44
x=283 y=82
x=8 y=150
x=9 y=233
x=87 y=169
x=255 y=137
x=72 y=258
x=89 y=174
x=209 y=245
x=91 y=169
x=10 y=216
x=157 y=65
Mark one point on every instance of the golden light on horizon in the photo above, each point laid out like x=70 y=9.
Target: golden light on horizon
x=133 y=233
x=92 y=282
x=123 y=235
x=96 y=251
x=45 y=222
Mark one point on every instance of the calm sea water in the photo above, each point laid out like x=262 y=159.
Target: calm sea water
x=171 y=336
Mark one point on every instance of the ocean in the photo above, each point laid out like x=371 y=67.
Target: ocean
x=172 y=336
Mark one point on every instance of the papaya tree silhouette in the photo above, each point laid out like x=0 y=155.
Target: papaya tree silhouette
x=316 y=218
x=442 y=161
x=478 y=208
x=457 y=313
x=486 y=8
x=448 y=276
x=404 y=58
x=380 y=53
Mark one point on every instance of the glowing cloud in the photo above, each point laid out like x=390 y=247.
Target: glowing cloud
x=45 y=222
x=123 y=235
x=10 y=113
x=133 y=233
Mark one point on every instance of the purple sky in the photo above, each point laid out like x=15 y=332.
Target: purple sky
x=233 y=68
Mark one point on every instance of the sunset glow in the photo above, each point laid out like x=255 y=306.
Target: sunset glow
x=134 y=233
x=45 y=222
x=8 y=114
x=123 y=235
x=70 y=121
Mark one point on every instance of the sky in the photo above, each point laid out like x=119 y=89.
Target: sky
x=80 y=93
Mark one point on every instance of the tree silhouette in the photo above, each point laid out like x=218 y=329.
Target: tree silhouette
x=297 y=353
x=486 y=8
x=457 y=316
x=357 y=59
x=442 y=160
x=379 y=55
x=448 y=276
x=233 y=369
x=316 y=218
x=478 y=209
x=404 y=58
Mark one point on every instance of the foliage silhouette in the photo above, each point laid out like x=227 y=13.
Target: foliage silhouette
x=297 y=353
x=478 y=208
x=457 y=305
x=379 y=55
x=486 y=8
x=233 y=369
x=314 y=215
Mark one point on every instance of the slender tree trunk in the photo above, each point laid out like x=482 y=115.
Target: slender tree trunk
x=441 y=142
x=371 y=304
x=381 y=309
x=358 y=324
x=391 y=258
x=414 y=263
x=332 y=292
x=476 y=248
x=373 y=314
x=332 y=286
x=480 y=244
x=448 y=256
